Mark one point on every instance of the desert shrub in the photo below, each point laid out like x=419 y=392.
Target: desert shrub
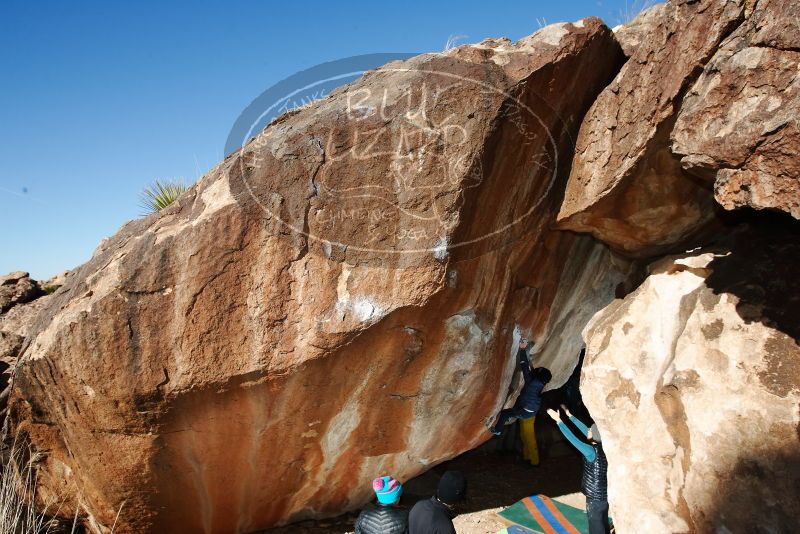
x=160 y=194
x=48 y=289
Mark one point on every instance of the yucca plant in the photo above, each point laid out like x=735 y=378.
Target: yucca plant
x=160 y=194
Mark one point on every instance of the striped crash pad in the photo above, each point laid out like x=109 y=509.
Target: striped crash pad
x=542 y=515
x=516 y=529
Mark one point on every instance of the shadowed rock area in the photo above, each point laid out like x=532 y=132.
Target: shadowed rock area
x=702 y=364
x=693 y=377
x=626 y=187
x=738 y=124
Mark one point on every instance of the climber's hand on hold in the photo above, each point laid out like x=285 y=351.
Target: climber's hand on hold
x=555 y=415
x=566 y=411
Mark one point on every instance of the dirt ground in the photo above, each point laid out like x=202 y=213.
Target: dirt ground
x=496 y=479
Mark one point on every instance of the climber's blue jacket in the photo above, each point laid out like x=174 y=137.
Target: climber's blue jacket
x=530 y=398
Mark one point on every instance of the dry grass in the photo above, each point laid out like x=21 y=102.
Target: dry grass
x=18 y=490
x=632 y=9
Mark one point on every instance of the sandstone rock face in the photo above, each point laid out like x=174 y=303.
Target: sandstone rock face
x=10 y=345
x=21 y=297
x=694 y=380
x=17 y=288
x=16 y=325
x=626 y=187
x=21 y=318
x=738 y=124
x=341 y=298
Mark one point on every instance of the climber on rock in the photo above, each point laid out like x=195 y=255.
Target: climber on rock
x=595 y=467
x=387 y=517
x=530 y=398
x=435 y=515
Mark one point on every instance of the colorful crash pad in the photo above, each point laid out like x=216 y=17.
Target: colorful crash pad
x=516 y=529
x=541 y=514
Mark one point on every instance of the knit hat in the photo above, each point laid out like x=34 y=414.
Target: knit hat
x=595 y=433
x=543 y=374
x=387 y=489
x=452 y=487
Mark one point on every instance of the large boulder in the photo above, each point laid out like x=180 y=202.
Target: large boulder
x=626 y=187
x=694 y=380
x=338 y=299
x=738 y=126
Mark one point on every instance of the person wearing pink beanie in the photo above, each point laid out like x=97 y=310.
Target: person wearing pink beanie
x=386 y=517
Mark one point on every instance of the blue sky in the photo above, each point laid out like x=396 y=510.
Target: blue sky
x=98 y=99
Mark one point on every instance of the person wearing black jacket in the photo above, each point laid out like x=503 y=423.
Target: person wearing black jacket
x=387 y=517
x=530 y=398
x=435 y=515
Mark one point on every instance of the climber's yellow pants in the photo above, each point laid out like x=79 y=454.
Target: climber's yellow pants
x=530 y=451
